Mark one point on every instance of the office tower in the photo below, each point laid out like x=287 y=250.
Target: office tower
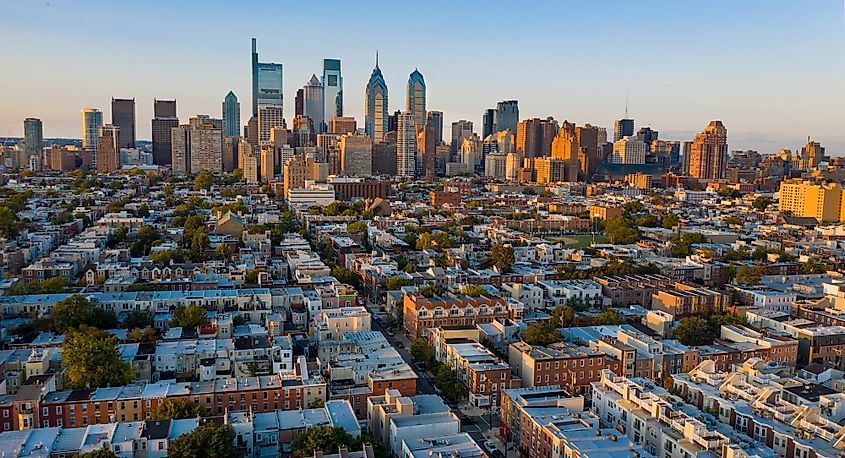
x=666 y=154
x=251 y=165
x=393 y=121
x=356 y=155
x=61 y=159
x=302 y=133
x=565 y=148
x=327 y=145
x=313 y=104
x=811 y=154
x=488 y=122
x=267 y=88
x=406 y=145
x=251 y=130
x=269 y=117
x=108 y=148
x=460 y=130
x=164 y=119
x=92 y=119
x=415 y=98
x=623 y=128
x=299 y=103
x=708 y=156
x=384 y=158
x=198 y=146
x=506 y=116
x=231 y=147
x=807 y=199
x=470 y=153
x=628 y=150
x=534 y=136
x=231 y=115
x=551 y=170
x=435 y=120
x=648 y=136
x=342 y=125
x=266 y=163
x=686 y=147
x=33 y=136
x=588 y=140
x=495 y=165
x=375 y=101
x=427 y=150
x=123 y=116
x=333 y=88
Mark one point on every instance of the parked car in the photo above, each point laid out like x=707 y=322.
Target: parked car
x=490 y=446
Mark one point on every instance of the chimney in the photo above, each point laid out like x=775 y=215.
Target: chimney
x=318 y=453
x=343 y=451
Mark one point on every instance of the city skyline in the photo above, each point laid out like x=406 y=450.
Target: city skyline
x=755 y=76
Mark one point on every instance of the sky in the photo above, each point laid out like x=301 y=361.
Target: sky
x=772 y=70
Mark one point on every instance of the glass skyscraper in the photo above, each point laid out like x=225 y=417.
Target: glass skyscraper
x=123 y=116
x=267 y=79
x=333 y=89
x=415 y=98
x=375 y=100
x=231 y=115
x=92 y=120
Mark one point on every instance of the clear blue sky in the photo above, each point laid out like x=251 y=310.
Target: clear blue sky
x=771 y=69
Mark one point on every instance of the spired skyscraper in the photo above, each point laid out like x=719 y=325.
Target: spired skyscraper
x=266 y=82
x=375 y=101
x=123 y=116
x=333 y=89
x=165 y=119
x=231 y=115
x=415 y=98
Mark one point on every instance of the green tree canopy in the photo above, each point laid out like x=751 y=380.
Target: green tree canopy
x=208 y=440
x=325 y=438
x=761 y=202
x=563 y=316
x=346 y=276
x=357 y=227
x=176 y=409
x=502 y=257
x=396 y=282
x=621 y=230
x=91 y=359
x=99 y=453
x=76 y=310
x=450 y=385
x=541 y=334
x=189 y=316
x=204 y=180
x=694 y=331
x=607 y=317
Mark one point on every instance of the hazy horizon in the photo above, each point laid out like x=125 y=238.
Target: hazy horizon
x=772 y=71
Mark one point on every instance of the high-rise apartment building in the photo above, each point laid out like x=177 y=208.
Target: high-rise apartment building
x=406 y=145
x=231 y=150
x=33 y=136
x=356 y=155
x=123 y=116
x=811 y=154
x=375 y=101
x=164 y=119
x=628 y=150
x=198 y=146
x=427 y=150
x=342 y=125
x=461 y=130
x=822 y=201
x=108 y=148
x=647 y=135
x=565 y=148
x=415 y=98
x=435 y=120
x=92 y=120
x=267 y=79
x=623 y=128
x=488 y=122
x=588 y=140
x=534 y=136
x=231 y=115
x=313 y=104
x=506 y=116
x=269 y=117
x=708 y=156
x=333 y=88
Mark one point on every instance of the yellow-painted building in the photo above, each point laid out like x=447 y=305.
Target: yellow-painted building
x=823 y=202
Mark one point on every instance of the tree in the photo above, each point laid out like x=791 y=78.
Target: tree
x=208 y=440
x=474 y=291
x=189 y=316
x=9 y=224
x=137 y=319
x=316 y=403
x=749 y=275
x=99 y=453
x=502 y=257
x=670 y=220
x=204 y=181
x=324 y=438
x=607 y=317
x=177 y=409
x=682 y=246
x=633 y=207
x=76 y=310
x=694 y=331
x=422 y=352
x=541 y=334
x=145 y=335
x=430 y=290
x=118 y=236
x=563 y=316
x=734 y=221
x=144 y=210
x=814 y=267
x=199 y=242
x=450 y=385
x=146 y=236
x=357 y=227
x=620 y=230
x=251 y=277
x=346 y=276
x=92 y=360
x=761 y=202
x=395 y=282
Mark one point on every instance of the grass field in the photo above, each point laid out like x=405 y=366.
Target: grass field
x=581 y=241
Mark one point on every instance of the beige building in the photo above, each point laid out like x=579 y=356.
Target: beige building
x=708 y=157
x=628 y=150
x=356 y=155
x=807 y=199
x=342 y=125
x=108 y=149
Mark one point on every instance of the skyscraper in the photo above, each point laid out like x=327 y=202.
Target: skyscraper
x=588 y=140
x=811 y=154
x=435 y=120
x=427 y=149
x=647 y=135
x=565 y=147
x=108 y=148
x=92 y=119
x=123 y=116
x=415 y=98
x=406 y=145
x=231 y=115
x=506 y=116
x=198 y=145
x=333 y=88
x=460 y=130
x=269 y=117
x=375 y=100
x=33 y=136
x=267 y=79
x=164 y=112
x=313 y=104
x=488 y=122
x=356 y=155
x=534 y=136
x=708 y=155
x=342 y=125
x=623 y=128
x=628 y=150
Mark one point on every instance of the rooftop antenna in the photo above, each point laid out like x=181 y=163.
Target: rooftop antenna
x=626 y=105
x=376 y=58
